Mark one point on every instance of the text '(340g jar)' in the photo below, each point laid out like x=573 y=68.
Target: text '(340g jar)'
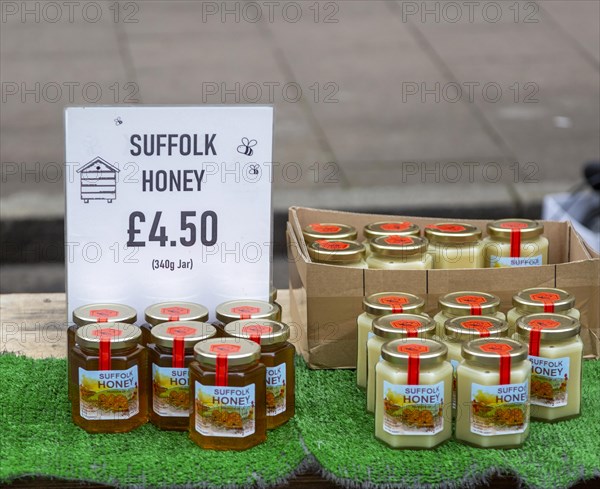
x=164 y=312
x=245 y=309
x=555 y=352
x=466 y=303
x=399 y=253
x=455 y=245
x=392 y=327
x=328 y=230
x=413 y=394
x=541 y=299
x=339 y=252
x=515 y=243
x=94 y=313
x=460 y=330
x=170 y=352
x=277 y=355
x=388 y=228
x=492 y=389
x=374 y=306
x=229 y=395
x=112 y=381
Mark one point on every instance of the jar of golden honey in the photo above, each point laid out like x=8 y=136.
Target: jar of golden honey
x=329 y=231
x=492 y=393
x=229 y=395
x=111 y=390
x=462 y=329
x=556 y=353
x=399 y=253
x=413 y=394
x=466 y=303
x=392 y=327
x=95 y=313
x=374 y=306
x=277 y=355
x=388 y=228
x=170 y=351
x=164 y=312
x=540 y=299
x=515 y=243
x=343 y=253
x=455 y=245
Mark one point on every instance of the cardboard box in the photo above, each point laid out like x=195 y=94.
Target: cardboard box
x=325 y=300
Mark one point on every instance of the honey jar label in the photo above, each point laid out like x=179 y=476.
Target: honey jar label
x=499 y=409
x=509 y=262
x=549 y=381
x=413 y=409
x=170 y=391
x=276 y=398
x=225 y=411
x=108 y=394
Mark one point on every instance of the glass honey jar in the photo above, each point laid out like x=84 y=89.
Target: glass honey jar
x=95 y=313
x=111 y=385
x=392 y=327
x=277 y=355
x=388 y=228
x=229 y=387
x=328 y=230
x=230 y=311
x=344 y=253
x=515 y=243
x=164 y=312
x=556 y=353
x=540 y=299
x=374 y=306
x=466 y=303
x=455 y=245
x=170 y=351
x=492 y=393
x=413 y=394
x=399 y=253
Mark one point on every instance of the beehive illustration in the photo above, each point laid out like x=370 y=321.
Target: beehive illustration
x=98 y=180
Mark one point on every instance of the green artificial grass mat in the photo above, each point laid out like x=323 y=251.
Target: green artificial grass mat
x=338 y=432
x=38 y=438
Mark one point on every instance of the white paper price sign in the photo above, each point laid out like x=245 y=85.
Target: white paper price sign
x=168 y=203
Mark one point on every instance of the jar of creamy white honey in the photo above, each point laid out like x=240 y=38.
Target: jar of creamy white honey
x=374 y=306
x=540 y=299
x=555 y=352
x=466 y=303
x=455 y=245
x=391 y=327
x=399 y=253
x=388 y=228
x=413 y=394
x=492 y=393
x=515 y=243
x=339 y=252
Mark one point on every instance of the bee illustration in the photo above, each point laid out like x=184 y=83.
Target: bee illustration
x=118 y=121
x=254 y=169
x=246 y=147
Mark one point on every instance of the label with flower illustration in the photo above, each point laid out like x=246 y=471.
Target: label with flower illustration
x=413 y=409
x=499 y=409
x=549 y=381
x=225 y=411
x=108 y=394
x=170 y=391
x=276 y=399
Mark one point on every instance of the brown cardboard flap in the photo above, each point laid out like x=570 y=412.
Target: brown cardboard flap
x=297 y=282
x=503 y=282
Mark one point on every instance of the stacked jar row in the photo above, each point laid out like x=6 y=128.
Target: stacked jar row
x=487 y=372
x=398 y=245
x=226 y=382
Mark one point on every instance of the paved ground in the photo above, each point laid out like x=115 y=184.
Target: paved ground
x=408 y=106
